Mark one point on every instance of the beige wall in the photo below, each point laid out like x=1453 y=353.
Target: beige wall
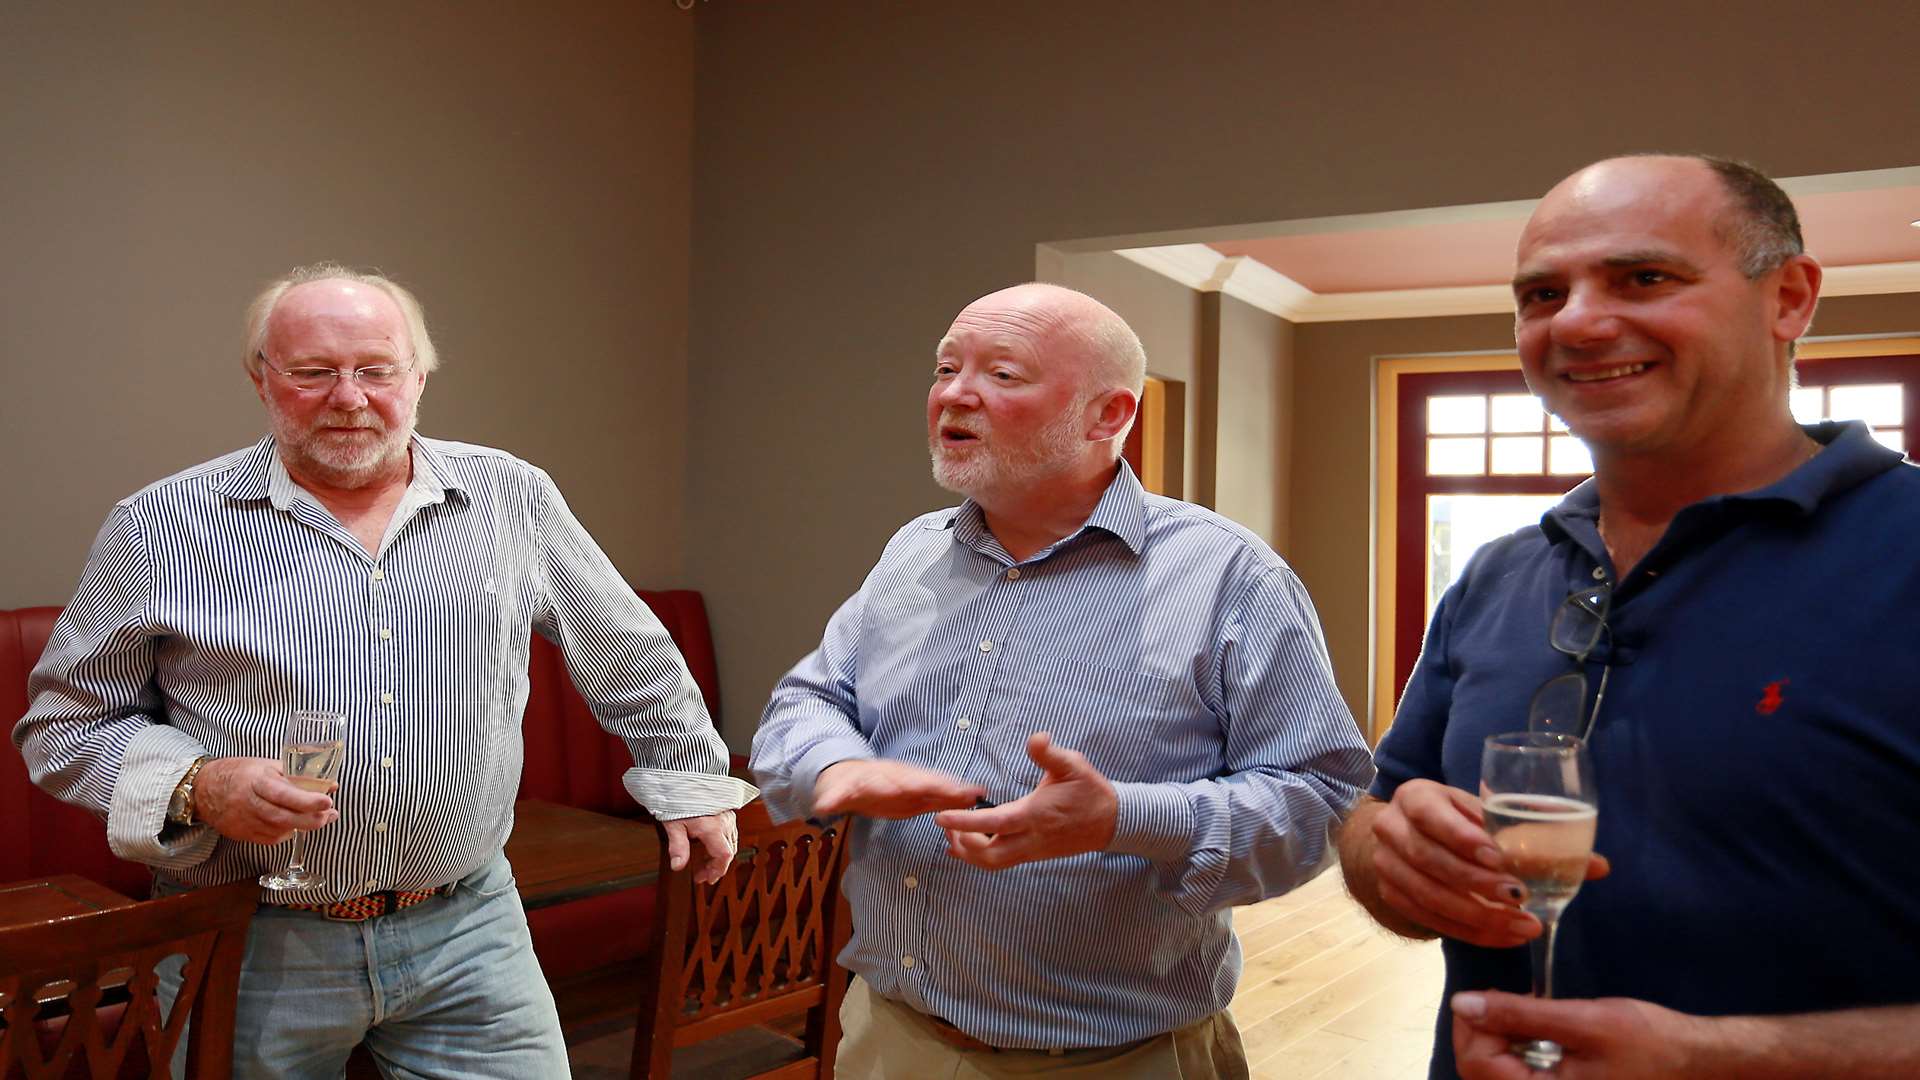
x=864 y=168
x=1252 y=468
x=526 y=169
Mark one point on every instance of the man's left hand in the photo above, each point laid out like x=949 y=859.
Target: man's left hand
x=1612 y=1038
x=717 y=834
x=1074 y=810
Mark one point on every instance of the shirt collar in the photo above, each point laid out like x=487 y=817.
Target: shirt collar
x=260 y=474
x=1850 y=458
x=1121 y=511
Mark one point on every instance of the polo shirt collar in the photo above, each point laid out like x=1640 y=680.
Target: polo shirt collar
x=1121 y=511
x=1851 y=457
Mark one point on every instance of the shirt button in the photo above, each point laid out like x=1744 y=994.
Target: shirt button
x=1599 y=574
x=379 y=826
x=1013 y=573
x=963 y=723
x=386 y=633
x=986 y=646
x=386 y=699
x=912 y=882
x=372 y=884
x=386 y=763
x=379 y=574
x=906 y=961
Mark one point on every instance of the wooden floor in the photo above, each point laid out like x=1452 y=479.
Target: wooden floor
x=1326 y=993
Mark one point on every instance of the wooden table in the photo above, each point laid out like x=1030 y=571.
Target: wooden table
x=562 y=853
x=48 y=899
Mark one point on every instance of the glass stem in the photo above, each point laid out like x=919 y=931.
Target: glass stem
x=1543 y=958
x=296 y=868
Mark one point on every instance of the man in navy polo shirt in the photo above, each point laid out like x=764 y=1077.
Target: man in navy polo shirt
x=1757 y=909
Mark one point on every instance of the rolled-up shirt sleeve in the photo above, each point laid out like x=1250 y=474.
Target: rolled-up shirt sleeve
x=627 y=668
x=94 y=733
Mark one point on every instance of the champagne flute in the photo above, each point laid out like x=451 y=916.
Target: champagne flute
x=311 y=751
x=1538 y=794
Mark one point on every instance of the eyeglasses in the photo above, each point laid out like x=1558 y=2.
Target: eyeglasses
x=1560 y=705
x=315 y=379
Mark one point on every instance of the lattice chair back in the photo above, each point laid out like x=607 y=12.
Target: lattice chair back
x=755 y=946
x=78 y=994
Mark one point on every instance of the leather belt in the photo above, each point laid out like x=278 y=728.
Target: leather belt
x=954 y=1037
x=372 y=905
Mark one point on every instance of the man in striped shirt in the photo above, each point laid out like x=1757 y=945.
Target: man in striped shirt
x=1139 y=683
x=346 y=564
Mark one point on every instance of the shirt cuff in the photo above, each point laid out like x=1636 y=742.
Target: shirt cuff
x=157 y=757
x=806 y=772
x=1155 y=822
x=669 y=794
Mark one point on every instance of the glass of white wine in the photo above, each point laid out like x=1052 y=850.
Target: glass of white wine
x=311 y=752
x=1538 y=795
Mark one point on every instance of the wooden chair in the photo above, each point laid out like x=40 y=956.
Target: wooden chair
x=78 y=994
x=755 y=946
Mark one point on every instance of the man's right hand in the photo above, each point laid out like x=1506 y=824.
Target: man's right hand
x=250 y=800
x=874 y=787
x=1434 y=864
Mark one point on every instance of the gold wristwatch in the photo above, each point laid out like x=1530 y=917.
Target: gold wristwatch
x=180 y=806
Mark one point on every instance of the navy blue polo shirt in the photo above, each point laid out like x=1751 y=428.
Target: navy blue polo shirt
x=1757 y=754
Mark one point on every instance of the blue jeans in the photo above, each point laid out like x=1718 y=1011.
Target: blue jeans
x=448 y=989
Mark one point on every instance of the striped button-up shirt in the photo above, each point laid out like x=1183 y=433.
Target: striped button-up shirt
x=218 y=601
x=1167 y=644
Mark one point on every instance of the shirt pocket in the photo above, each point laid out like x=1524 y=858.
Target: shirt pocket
x=1115 y=716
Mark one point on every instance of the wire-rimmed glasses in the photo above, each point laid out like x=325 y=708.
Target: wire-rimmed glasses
x=316 y=378
x=1559 y=707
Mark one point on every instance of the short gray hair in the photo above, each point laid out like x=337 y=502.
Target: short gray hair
x=1763 y=228
x=426 y=358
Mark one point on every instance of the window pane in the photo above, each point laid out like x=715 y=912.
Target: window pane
x=1456 y=415
x=1516 y=412
x=1567 y=456
x=1879 y=406
x=1809 y=404
x=1554 y=424
x=1891 y=437
x=1458 y=524
x=1456 y=457
x=1518 y=454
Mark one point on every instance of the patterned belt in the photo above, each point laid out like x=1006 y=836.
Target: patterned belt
x=372 y=905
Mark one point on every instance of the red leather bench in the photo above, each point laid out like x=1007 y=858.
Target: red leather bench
x=569 y=759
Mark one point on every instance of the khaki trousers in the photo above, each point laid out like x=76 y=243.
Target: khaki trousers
x=885 y=1040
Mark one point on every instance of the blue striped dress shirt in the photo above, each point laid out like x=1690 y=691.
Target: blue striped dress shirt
x=1170 y=646
x=221 y=599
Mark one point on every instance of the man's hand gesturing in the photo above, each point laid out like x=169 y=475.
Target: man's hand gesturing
x=874 y=787
x=1073 y=810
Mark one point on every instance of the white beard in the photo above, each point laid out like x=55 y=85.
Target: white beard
x=350 y=462
x=981 y=470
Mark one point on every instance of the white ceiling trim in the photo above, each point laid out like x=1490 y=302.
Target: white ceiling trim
x=1203 y=269
x=1871 y=279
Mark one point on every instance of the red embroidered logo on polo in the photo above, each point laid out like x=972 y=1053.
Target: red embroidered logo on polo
x=1771 y=698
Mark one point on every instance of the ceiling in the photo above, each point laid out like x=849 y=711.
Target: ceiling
x=1457 y=260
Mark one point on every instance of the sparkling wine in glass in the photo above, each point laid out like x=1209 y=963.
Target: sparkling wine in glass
x=311 y=752
x=1538 y=795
